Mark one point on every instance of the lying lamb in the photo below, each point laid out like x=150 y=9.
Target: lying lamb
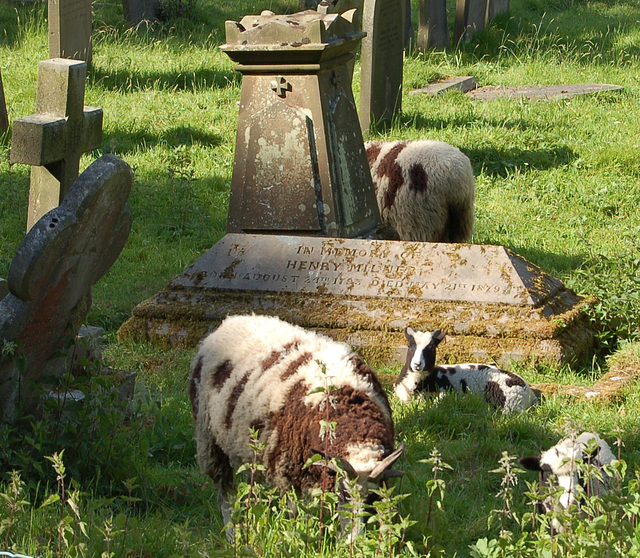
x=557 y=467
x=502 y=389
x=262 y=373
x=425 y=189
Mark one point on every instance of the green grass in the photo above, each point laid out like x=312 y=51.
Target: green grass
x=557 y=182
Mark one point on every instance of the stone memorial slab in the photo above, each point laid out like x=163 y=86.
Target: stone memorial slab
x=461 y=83
x=545 y=92
x=137 y=11
x=4 y=117
x=433 y=28
x=70 y=29
x=496 y=8
x=492 y=303
x=381 y=63
x=51 y=275
x=300 y=166
x=471 y=18
x=53 y=140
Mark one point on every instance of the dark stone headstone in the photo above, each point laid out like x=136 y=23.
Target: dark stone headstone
x=300 y=165
x=137 y=11
x=433 y=30
x=471 y=18
x=493 y=304
x=4 y=117
x=51 y=275
x=70 y=29
x=53 y=140
x=382 y=58
x=497 y=8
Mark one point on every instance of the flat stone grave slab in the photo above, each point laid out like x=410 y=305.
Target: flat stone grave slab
x=549 y=92
x=494 y=305
x=462 y=83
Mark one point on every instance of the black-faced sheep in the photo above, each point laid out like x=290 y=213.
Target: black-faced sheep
x=425 y=189
x=504 y=390
x=557 y=467
x=258 y=372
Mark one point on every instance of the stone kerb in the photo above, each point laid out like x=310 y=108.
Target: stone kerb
x=51 y=275
x=300 y=165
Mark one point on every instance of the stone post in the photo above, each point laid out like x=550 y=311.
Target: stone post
x=300 y=165
x=53 y=140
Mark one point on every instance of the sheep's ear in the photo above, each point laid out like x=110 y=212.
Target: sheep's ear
x=409 y=333
x=382 y=469
x=438 y=335
x=344 y=465
x=531 y=463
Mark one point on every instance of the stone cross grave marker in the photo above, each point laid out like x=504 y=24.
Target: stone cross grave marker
x=433 y=28
x=4 y=117
x=51 y=275
x=300 y=165
x=70 y=29
x=381 y=62
x=53 y=140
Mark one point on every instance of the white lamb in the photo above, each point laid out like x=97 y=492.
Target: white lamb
x=258 y=372
x=503 y=389
x=425 y=189
x=558 y=467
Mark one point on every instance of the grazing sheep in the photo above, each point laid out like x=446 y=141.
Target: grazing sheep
x=424 y=188
x=557 y=468
x=502 y=389
x=258 y=372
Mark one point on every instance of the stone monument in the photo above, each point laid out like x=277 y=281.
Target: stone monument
x=472 y=16
x=494 y=305
x=51 y=275
x=4 y=117
x=381 y=62
x=433 y=28
x=53 y=140
x=137 y=11
x=70 y=29
x=300 y=165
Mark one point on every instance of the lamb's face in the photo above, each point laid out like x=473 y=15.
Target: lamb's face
x=421 y=352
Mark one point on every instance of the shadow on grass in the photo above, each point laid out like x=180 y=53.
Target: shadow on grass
x=122 y=141
x=128 y=81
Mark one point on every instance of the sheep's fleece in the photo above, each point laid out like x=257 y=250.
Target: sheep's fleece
x=260 y=372
x=424 y=188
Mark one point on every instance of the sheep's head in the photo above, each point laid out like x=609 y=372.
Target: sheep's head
x=421 y=352
x=562 y=467
x=355 y=488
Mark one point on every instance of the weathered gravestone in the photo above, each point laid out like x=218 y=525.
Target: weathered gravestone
x=137 y=11
x=54 y=139
x=4 y=117
x=300 y=165
x=493 y=304
x=70 y=29
x=433 y=27
x=51 y=275
x=381 y=62
x=472 y=16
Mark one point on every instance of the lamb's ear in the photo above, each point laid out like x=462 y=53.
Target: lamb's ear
x=409 y=334
x=383 y=470
x=438 y=335
x=531 y=463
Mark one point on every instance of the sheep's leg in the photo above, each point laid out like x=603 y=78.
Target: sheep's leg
x=226 y=500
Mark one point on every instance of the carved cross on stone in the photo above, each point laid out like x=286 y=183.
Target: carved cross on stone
x=53 y=140
x=51 y=276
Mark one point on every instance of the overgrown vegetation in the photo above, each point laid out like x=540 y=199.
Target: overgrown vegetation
x=557 y=182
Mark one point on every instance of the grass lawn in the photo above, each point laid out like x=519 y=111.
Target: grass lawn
x=558 y=182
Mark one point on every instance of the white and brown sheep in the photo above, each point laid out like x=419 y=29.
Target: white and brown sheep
x=560 y=466
x=424 y=188
x=502 y=389
x=259 y=372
